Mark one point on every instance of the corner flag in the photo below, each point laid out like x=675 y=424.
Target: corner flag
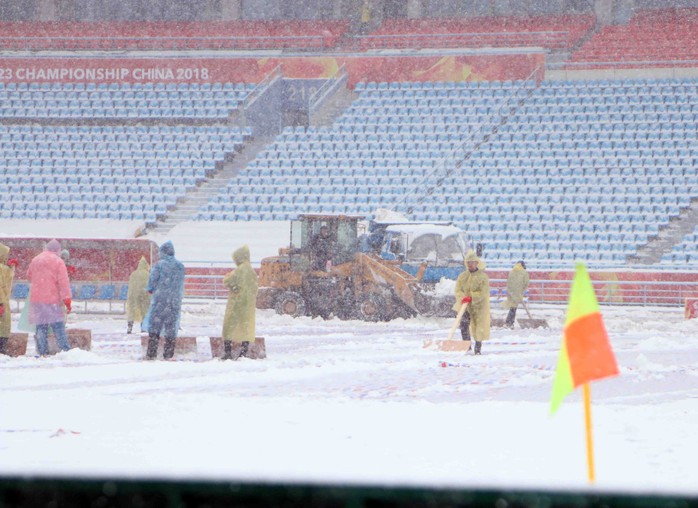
x=586 y=353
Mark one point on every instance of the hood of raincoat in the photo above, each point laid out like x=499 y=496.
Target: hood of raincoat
x=471 y=256
x=242 y=255
x=143 y=264
x=518 y=267
x=4 y=253
x=53 y=246
x=167 y=249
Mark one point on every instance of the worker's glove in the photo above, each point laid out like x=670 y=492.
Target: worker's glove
x=12 y=263
x=2 y=309
x=67 y=302
x=466 y=299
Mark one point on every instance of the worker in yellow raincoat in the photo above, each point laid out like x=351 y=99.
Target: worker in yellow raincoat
x=137 y=298
x=240 y=311
x=7 y=273
x=517 y=284
x=473 y=290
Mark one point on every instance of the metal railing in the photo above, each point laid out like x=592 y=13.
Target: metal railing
x=297 y=42
x=609 y=292
x=262 y=86
x=612 y=292
x=328 y=87
x=551 y=39
x=639 y=292
x=620 y=64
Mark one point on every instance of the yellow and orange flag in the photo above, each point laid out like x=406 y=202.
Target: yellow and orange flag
x=586 y=353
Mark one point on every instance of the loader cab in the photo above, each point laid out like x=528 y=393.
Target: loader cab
x=343 y=234
x=437 y=244
x=440 y=247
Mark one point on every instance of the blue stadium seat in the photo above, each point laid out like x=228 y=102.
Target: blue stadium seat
x=20 y=290
x=107 y=292
x=87 y=292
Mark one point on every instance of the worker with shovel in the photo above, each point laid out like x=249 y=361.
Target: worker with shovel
x=517 y=284
x=472 y=294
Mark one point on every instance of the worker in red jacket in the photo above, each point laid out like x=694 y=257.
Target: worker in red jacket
x=50 y=297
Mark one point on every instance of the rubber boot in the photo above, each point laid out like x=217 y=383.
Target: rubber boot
x=478 y=347
x=129 y=327
x=243 y=349
x=3 y=345
x=465 y=335
x=152 y=350
x=227 y=350
x=169 y=348
x=511 y=317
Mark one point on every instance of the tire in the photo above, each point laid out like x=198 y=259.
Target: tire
x=372 y=307
x=291 y=304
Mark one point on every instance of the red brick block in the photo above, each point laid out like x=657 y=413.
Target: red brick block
x=77 y=338
x=183 y=345
x=17 y=345
x=255 y=351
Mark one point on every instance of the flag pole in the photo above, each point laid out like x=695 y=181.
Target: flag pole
x=590 y=443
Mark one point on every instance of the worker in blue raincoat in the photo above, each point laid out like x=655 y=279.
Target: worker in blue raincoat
x=166 y=285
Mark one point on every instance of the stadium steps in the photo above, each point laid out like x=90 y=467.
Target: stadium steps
x=430 y=184
x=327 y=114
x=188 y=206
x=557 y=59
x=651 y=253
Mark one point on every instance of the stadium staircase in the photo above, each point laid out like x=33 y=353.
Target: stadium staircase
x=332 y=109
x=556 y=59
x=669 y=236
x=188 y=205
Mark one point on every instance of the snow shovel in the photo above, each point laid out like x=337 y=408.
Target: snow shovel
x=530 y=322
x=449 y=344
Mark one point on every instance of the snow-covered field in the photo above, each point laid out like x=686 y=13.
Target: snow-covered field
x=358 y=403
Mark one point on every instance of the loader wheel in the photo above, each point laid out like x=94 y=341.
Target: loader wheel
x=291 y=304
x=371 y=308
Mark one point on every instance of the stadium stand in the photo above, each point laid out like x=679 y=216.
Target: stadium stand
x=684 y=253
x=586 y=170
x=388 y=140
x=127 y=171
x=108 y=101
x=652 y=38
x=164 y=35
x=553 y=32
x=569 y=169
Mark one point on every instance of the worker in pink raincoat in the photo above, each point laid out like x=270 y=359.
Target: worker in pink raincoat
x=50 y=297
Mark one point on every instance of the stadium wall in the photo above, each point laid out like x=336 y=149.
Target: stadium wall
x=95 y=260
x=452 y=66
